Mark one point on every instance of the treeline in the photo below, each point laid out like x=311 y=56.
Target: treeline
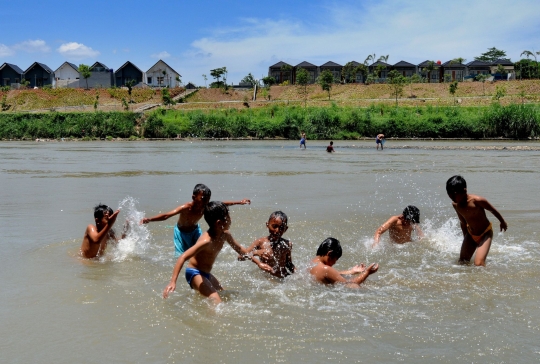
x=513 y=121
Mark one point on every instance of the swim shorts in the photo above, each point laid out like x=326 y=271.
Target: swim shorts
x=302 y=141
x=192 y=272
x=183 y=241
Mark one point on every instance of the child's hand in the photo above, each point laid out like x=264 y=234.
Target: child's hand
x=373 y=268
x=170 y=288
x=144 y=220
x=113 y=217
x=244 y=257
x=358 y=268
x=245 y=202
x=504 y=226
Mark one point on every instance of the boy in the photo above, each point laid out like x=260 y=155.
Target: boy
x=274 y=252
x=401 y=226
x=303 y=140
x=380 y=140
x=203 y=254
x=330 y=148
x=476 y=228
x=327 y=255
x=187 y=230
x=96 y=237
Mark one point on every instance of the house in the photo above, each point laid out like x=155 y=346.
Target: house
x=127 y=72
x=455 y=71
x=10 y=75
x=359 y=77
x=384 y=73
x=67 y=75
x=313 y=71
x=334 y=68
x=39 y=75
x=508 y=68
x=434 y=76
x=190 y=86
x=101 y=76
x=475 y=68
x=279 y=74
x=162 y=75
x=405 y=68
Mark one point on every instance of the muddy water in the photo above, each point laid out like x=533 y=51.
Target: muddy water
x=421 y=307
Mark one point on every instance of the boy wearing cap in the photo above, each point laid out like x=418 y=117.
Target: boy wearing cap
x=401 y=226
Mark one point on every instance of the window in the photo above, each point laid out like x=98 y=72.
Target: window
x=149 y=80
x=159 y=80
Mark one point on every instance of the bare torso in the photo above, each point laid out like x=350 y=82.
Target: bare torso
x=474 y=215
x=89 y=250
x=401 y=232
x=205 y=257
x=189 y=217
x=275 y=254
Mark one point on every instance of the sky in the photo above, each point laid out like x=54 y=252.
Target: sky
x=194 y=37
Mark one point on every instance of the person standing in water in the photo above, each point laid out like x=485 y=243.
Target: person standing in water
x=401 y=226
x=97 y=236
x=380 y=140
x=476 y=228
x=303 y=140
x=330 y=148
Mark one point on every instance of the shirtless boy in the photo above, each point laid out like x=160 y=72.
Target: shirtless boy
x=273 y=251
x=380 y=140
x=327 y=255
x=96 y=236
x=476 y=228
x=203 y=254
x=400 y=227
x=187 y=230
x=330 y=148
x=303 y=140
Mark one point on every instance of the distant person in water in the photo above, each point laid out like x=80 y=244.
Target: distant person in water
x=97 y=236
x=187 y=230
x=330 y=148
x=379 y=140
x=476 y=228
x=400 y=227
x=327 y=255
x=273 y=251
x=303 y=140
x=203 y=254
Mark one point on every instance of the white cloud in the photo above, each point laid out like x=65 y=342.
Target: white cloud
x=5 y=51
x=161 y=55
x=410 y=30
x=33 y=46
x=74 y=50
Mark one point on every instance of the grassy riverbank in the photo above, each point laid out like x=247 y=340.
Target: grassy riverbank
x=333 y=122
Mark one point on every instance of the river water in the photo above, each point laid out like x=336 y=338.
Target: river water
x=421 y=307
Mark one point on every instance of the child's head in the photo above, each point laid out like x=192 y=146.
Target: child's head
x=412 y=213
x=277 y=224
x=330 y=247
x=201 y=193
x=456 y=186
x=216 y=215
x=100 y=210
x=331 y=143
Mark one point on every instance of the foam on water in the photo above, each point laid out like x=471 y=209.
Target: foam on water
x=137 y=238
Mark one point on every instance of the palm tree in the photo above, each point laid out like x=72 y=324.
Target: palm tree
x=429 y=68
x=458 y=61
x=383 y=58
x=529 y=54
x=372 y=58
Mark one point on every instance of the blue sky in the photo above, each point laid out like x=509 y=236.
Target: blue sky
x=248 y=36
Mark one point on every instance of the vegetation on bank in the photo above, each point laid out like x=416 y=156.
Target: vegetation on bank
x=333 y=122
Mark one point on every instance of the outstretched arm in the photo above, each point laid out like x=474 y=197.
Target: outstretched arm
x=382 y=229
x=245 y=201
x=482 y=202
x=419 y=232
x=354 y=270
x=366 y=273
x=234 y=244
x=164 y=216
x=249 y=251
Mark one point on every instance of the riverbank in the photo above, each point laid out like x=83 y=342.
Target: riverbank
x=515 y=121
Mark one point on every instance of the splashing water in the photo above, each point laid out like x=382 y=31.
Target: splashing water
x=137 y=237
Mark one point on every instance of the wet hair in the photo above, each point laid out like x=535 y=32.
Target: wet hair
x=330 y=245
x=331 y=143
x=214 y=211
x=200 y=188
x=100 y=210
x=411 y=213
x=456 y=184
x=279 y=215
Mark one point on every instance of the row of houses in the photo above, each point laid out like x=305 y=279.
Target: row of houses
x=284 y=72
x=68 y=75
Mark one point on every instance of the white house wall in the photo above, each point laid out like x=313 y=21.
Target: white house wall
x=157 y=71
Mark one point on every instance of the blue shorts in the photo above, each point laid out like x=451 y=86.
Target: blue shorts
x=302 y=141
x=192 y=272
x=183 y=241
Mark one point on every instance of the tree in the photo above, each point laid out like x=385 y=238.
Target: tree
x=452 y=89
x=383 y=58
x=371 y=58
x=430 y=67
x=491 y=55
x=179 y=80
x=501 y=70
x=217 y=73
x=397 y=82
x=529 y=54
x=348 y=72
x=458 y=60
x=302 y=80
x=268 y=81
x=286 y=69
x=482 y=78
x=205 y=79
x=500 y=92
x=129 y=84
x=166 y=97
x=325 y=80
x=249 y=79
x=84 y=70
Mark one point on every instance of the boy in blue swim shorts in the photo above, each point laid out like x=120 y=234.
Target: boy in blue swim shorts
x=187 y=230
x=203 y=254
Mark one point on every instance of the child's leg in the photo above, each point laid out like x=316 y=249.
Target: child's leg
x=215 y=283
x=205 y=287
x=483 y=249
x=467 y=249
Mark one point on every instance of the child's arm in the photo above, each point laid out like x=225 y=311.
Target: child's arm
x=234 y=244
x=288 y=263
x=180 y=262
x=354 y=270
x=366 y=273
x=95 y=237
x=263 y=266
x=241 y=202
x=164 y=216
x=382 y=229
x=462 y=222
x=250 y=249
x=482 y=202
x=419 y=232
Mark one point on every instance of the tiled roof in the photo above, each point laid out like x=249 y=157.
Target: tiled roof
x=13 y=67
x=305 y=64
x=280 y=64
x=425 y=63
x=378 y=63
x=477 y=63
x=404 y=64
x=125 y=64
x=331 y=64
x=70 y=64
x=165 y=65
x=451 y=63
x=503 y=62
x=44 y=66
x=99 y=64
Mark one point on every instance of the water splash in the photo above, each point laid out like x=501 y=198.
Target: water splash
x=137 y=237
